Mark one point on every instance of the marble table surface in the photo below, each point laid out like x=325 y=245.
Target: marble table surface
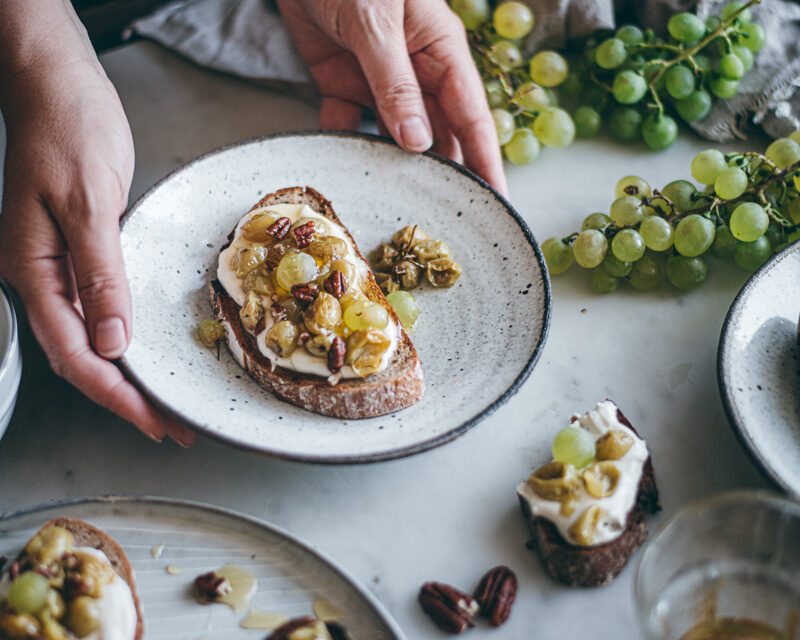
x=451 y=513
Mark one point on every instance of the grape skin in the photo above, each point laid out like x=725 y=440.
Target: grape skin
x=523 y=148
x=686 y=273
x=557 y=254
x=707 y=165
x=590 y=248
x=513 y=20
x=646 y=274
x=548 y=68
x=657 y=233
x=693 y=235
x=749 y=222
x=633 y=186
x=554 y=127
x=628 y=246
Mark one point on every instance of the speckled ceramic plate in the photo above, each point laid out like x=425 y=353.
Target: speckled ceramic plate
x=10 y=358
x=478 y=341
x=758 y=366
x=198 y=538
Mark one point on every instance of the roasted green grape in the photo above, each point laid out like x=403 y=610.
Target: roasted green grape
x=296 y=268
x=28 y=592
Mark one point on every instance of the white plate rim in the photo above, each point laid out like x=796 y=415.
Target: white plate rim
x=7 y=308
x=726 y=388
x=400 y=452
x=371 y=600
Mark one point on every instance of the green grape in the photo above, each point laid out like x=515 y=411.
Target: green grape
x=557 y=254
x=365 y=314
x=793 y=209
x=656 y=232
x=504 y=124
x=633 y=186
x=599 y=221
x=730 y=183
x=296 y=268
x=679 y=81
x=531 y=97
x=686 y=27
x=754 y=37
x=590 y=248
x=495 y=95
x=707 y=165
x=681 y=193
x=651 y=69
x=749 y=222
x=731 y=67
x=587 y=122
x=775 y=235
x=553 y=97
x=686 y=273
x=724 y=245
x=628 y=245
x=505 y=55
x=600 y=281
x=523 y=148
x=634 y=62
x=610 y=54
x=712 y=22
x=702 y=61
x=513 y=20
x=625 y=124
x=794 y=136
x=695 y=107
x=573 y=445
x=616 y=267
x=572 y=87
x=405 y=306
x=629 y=87
x=732 y=7
x=594 y=96
x=723 y=88
x=629 y=34
x=28 y=592
x=659 y=132
x=473 y=13
x=646 y=274
x=751 y=255
x=693 y=235
x=745 y=55
x=626 y=210
x=783 y=152
x=554 y=127
x=548 y=68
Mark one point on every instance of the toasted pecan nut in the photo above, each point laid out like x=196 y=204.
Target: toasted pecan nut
x=75 y=585
x=305 y=292
x=452 y=610
x=279 y=228
x=290 y=627
x=496 y=593
x=278 y=312
x=304 y=234
x=335 y=285
x=271 y=265
x=210 y=586
x=336 y=354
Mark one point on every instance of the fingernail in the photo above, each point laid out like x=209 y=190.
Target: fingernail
x=109 y=338
x=415 y=134
x=152 y=437
x=186 y=440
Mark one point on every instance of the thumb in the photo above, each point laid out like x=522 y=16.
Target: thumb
x=96 y=254
x=382 y=52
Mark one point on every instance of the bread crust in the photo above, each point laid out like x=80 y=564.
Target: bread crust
x=398 y=386
x=87 y=535
x=596 y=565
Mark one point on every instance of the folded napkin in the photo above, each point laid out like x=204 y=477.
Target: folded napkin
x=247 y=38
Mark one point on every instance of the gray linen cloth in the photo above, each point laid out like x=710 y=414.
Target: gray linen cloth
x=247 y=38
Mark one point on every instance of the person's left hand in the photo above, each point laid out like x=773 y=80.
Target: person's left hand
x=408 y=59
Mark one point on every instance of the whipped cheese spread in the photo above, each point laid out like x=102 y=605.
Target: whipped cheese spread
x=299 y=360
x=617 y=506
x=117 y=610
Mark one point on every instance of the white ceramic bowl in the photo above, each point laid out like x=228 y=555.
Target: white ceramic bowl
x=10 y=358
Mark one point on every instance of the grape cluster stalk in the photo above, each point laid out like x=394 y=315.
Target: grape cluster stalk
x=747 y=208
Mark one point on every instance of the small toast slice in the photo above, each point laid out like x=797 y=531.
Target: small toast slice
x=87 y=535
x=398 y=386
x=596 y=565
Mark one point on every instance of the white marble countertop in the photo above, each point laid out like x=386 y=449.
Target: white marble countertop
x=451 y=513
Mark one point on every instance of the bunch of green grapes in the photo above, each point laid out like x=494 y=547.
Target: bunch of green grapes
x=524 y=107
x=747 y=208
x=634 y=80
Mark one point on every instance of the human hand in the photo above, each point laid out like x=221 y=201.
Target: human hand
x=69 y=165
x=408 y=59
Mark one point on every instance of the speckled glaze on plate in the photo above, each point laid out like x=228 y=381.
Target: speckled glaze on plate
x=758 y=368
x=198 y=538
x=478 y=341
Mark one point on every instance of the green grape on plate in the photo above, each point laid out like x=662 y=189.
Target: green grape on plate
x=573 y=445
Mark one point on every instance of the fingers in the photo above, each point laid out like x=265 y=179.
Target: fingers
x=444 y=141
x=379 y=43
x=336 y=113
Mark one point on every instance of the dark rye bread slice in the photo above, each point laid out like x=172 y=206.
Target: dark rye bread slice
x=87 y=535
x=398 y=386
x=596 y=565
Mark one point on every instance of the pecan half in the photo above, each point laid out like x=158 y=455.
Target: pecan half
x=305 y=292
x=271 y=265
x=278 y=312
x=285 y=631
x=496 y=593
x=75 y=585
x=304 y=234
x=279 y=228
x=304 y=337
x=211 y=586
x=334 y=284
x=70 y=561
x=336 y=354
x=452 y=610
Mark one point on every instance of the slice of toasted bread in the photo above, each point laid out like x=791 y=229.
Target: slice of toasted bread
x=595 y=565
x=398 y=386
x=87 y=535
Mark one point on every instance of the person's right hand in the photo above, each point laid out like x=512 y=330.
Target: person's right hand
x=69 y=165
